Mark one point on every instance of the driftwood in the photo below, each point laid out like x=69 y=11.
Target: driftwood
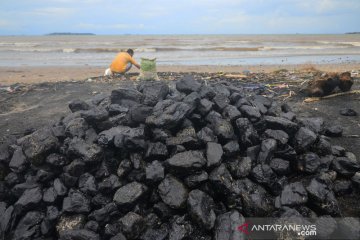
x=315 y=99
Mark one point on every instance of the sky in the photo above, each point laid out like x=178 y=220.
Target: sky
x=37 y=17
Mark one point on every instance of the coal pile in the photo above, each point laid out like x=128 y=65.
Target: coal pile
x=180 y=160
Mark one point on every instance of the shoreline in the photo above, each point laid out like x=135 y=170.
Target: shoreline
x=39 y=74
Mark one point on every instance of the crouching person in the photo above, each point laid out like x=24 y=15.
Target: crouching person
x=122 y=64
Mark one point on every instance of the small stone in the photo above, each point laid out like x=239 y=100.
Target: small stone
x=308 y=163
x=348 y=112
x=173 y=192
x=155 y=172
x=214 y=154
x=304 y=139
x=293 y=194
x=130 y=194
x=334 y=131
x=200 y=208
x=76 y=202
x=186 y=162
x=132 y=225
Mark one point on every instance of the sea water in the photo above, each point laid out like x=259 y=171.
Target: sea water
x=99 y=50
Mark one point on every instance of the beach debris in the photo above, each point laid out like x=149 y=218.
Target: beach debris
x=348 y=112
x=235 y=76
x=354 y=73
x=187 y=160
x=14 y=88
x=327 y=83
x=314 y=99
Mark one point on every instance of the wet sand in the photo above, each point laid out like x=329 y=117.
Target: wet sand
x=26 y=74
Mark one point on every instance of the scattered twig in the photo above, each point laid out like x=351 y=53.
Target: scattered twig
x=351 y=136
x=315 y=99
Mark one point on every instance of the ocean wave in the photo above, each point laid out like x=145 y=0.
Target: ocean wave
x=69 y=50
x=222 y=49
x=317 y=47
x=349 y=44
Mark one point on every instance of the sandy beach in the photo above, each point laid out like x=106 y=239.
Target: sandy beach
x=38 y=74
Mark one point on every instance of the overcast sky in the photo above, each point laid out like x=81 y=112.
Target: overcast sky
x=33 y=17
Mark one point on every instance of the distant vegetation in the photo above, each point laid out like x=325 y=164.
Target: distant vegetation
x=68 y=33
x=353 y=33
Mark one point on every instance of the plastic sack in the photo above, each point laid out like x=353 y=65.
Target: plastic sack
x=148 y=70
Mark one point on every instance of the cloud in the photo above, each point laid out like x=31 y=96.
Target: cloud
x=118 y=26
x=327 y=6
x=6 y=23
x=52 y=12
x=186 y=16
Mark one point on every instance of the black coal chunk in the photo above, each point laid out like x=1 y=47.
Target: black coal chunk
x=139 y=113
x=89 y=153
x=315 y=124
x=256 y=200
x=29 y=226
x=221 y=180
x=18 y=162
x=126 y=96
x=154 y=92
x=56 y=160
x=76 y=202
x=231 y=113
x=181 y=228
x=195 y=180
x=186 y=162
x=37 y=145
x=130 y=193
x=156 y=150
x=94 y=115
x=280 y=166
x=76 y=128
x=240 y=168
x=226 y=226
x=325 y=227
x=201 y=209
x=220 y=101
x=334 y=131
x=280 y=136
x=267 y=149
x=222 y=128
x=304 y=139
x=28 y=200
x=188 y=84
x=214 y=154
x=322 y=198
x=155 y=171
x=132 y=225
x=59 y=187
x=173 y=192
x=278 y=123
x=206 y=135
x=78 y=105
x=105 y=213
x=293 y=194
x=345 y=166
x=185 y=137
x=252 y=113
x=246 y=132
x=87 y=184
x=79 y=234
x=168 y=114
x=231 y=149
x=308 y=162
x=130 y=138
x=342 y=187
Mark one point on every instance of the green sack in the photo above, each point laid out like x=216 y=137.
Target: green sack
x=148 y=70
